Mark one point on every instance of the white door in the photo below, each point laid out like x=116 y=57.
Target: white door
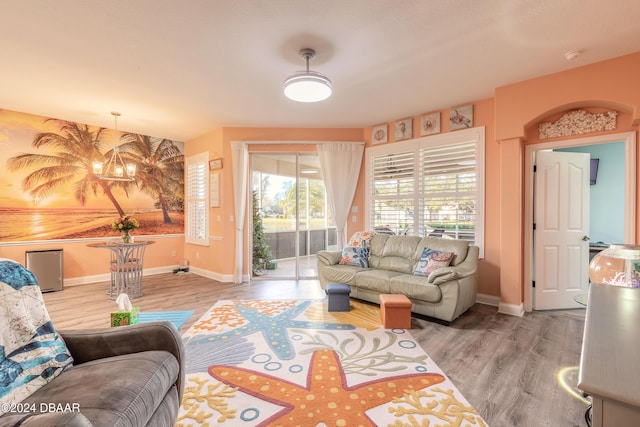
x=561 y=218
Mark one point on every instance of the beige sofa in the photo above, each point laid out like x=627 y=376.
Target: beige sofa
x=445 y=294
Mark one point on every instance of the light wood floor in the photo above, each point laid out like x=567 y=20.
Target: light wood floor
x=507 y=367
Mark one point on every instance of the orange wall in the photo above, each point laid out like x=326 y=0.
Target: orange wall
x=218 y=257
x=507 y=118
x=610 y=84
x=82 y=262
x=483 y=115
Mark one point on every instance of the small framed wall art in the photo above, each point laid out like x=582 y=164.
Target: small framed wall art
x=404 y=129
x=461 y=117
x=379 y=134
x=430 y=124
x=215 y=164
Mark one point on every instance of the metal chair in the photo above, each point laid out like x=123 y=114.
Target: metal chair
x=126 y=269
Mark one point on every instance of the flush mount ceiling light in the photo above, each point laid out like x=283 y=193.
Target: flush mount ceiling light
x=307 y=86
x=116 y=168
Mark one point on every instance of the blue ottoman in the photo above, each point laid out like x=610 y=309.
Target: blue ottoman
x=338 y=295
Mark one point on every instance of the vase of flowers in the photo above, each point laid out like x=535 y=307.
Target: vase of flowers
x=124 y=225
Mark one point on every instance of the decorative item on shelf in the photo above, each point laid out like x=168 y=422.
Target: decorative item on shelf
x=116 y=167
x=430 y=124
x=125 y=224
x=379 y=134
x=306 y=85
x=619 y=265
x=461 y=117
x=215 y=164
x=404 y=129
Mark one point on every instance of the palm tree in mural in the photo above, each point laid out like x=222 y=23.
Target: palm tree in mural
x=160 y=168
x=74 y=150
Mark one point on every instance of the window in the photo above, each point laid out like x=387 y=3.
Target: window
x=197 y=204
x=393 y=194
x=429 y=186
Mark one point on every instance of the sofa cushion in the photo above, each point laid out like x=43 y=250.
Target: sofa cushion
x=377 y=246
x=431 y=260
x=415 y=287
x=375 y=280
x=458 y=247
x=114 y=391
x=361 y=238
x=397 y=253
x=401 y=246
x=341 y=273
x=358 y=256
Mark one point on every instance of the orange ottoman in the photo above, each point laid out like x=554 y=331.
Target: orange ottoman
x=395 y=311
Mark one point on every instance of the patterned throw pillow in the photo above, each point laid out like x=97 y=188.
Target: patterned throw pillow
x=361 y=238
x=31 y=352
x=431 y=260
x=357 y=256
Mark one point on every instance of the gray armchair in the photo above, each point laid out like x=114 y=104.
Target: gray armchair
x=125 y=376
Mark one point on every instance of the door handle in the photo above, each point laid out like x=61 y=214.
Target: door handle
x=585 y=238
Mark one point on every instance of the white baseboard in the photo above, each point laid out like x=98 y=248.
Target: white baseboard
x=85 y=280
x=511 y=309
x=485 y=299
x=224 y=278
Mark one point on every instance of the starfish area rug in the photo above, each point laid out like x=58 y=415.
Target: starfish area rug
x=293 y=363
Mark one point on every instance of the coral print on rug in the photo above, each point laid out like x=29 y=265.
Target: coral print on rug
x=293 y=363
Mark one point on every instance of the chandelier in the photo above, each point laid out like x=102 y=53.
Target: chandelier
x=307 y=86
x=116 y=169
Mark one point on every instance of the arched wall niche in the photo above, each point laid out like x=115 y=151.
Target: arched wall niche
x=624 y=119
x=519 y=108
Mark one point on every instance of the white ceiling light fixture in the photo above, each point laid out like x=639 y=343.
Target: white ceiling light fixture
x=308 y=86
x=116 y=168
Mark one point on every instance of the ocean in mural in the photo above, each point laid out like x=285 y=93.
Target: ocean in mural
x=50 y=190
x=19 y=224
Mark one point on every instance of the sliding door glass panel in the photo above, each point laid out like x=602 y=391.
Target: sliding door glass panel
x=290 y=203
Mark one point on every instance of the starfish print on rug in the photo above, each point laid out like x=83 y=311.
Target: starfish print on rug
x=326 y=397
x=274 y=328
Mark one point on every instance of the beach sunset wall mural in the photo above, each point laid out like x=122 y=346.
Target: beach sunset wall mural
x=48 y=190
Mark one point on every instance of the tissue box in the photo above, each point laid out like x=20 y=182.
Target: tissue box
x=125 y=317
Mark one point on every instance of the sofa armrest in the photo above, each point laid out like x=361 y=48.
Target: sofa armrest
x=445 y=274
x=329 y=257
x=466 y=268
x=92 y=344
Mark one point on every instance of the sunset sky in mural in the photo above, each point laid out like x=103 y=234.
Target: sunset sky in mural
x=57 y=212
x=17 y=132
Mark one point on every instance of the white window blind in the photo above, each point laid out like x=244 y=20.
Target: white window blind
x=448 y=188
x=393 y=192
x=429 y=186
x=197 y=203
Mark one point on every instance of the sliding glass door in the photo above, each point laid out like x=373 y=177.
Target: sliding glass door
x=291 y=220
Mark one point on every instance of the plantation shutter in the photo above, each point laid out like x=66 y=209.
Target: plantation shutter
x=430 y=186
x=448 y=190
x=392 y=193
x=197 y=207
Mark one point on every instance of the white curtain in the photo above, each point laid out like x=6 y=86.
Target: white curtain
x=240 y=159
x=340 y=163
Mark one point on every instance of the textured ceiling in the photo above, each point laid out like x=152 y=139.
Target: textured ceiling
x=178 y=69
